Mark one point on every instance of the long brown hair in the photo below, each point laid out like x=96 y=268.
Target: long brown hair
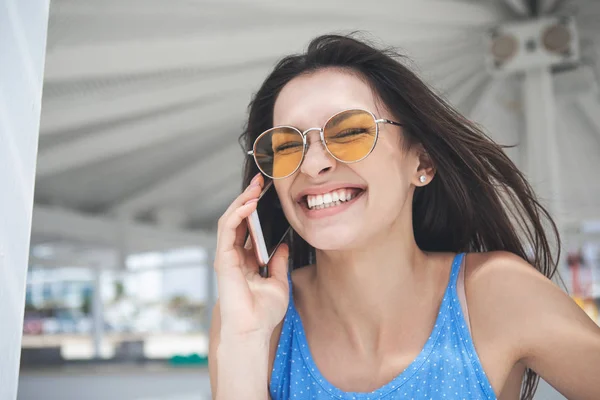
x=479 y=200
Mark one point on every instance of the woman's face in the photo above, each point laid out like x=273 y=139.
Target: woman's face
x=380 y=186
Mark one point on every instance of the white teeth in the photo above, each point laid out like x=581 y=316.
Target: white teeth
x=327 y=200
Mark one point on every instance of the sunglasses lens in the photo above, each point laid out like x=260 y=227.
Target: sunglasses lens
x=350 y=135
x=278 y=152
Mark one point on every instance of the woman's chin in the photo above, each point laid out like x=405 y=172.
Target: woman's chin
x=332 y=241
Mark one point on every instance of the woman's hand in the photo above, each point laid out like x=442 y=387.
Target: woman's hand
x=249 y=304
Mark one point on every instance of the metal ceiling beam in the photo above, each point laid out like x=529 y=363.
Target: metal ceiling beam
x=432 y=56
x=590 y=107
x=550 y=6
x=518 y=6
x=209 y=119
x=188 y=183
x=131 y=7
x=438 y=68
x=465 y=96
x=454 y=13
x=65 y=63
x=458 y=12
x=59 y=115
x=135 y=57
x=456 y=77
x=479 y=109
x=534 y=8
x=110 y=232
x=207 y=211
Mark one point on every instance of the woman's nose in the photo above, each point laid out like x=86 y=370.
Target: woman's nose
x=317 y=160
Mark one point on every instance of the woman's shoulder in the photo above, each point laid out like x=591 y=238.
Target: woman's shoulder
x=525 y=316
x=496 y=268
x=506 y=295
x=504 y=278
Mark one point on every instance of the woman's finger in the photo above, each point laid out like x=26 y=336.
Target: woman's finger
x=249 y=196
x=278 y=265
x=228 y=226
x=240 y=233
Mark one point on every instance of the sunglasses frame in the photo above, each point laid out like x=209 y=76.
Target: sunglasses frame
x=304 y=135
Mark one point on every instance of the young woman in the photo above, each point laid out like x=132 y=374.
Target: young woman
x=420 y=268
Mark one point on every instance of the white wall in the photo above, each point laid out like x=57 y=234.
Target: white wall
x=23 y=28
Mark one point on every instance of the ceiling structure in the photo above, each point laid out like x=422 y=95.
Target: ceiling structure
x=144 y=101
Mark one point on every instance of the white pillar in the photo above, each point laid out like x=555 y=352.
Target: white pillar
x=541 y=148
x=97 y=313
x=23 y=28
x=541 y=145
x=211 y=288
x=123 y=222
x=541 y=152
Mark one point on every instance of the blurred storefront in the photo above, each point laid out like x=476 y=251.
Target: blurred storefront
x=153 y=309
x=583 y=268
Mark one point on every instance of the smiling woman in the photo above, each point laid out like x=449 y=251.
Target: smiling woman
x=417 y=265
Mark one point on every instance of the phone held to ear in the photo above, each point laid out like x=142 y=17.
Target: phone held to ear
x=267 y=227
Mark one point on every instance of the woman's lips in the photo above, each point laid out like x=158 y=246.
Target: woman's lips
x=332 y=209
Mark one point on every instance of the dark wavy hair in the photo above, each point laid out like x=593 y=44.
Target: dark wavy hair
x=478 y=201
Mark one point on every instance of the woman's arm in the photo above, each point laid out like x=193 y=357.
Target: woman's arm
x=249 y=308
x=238 y=366
x=550 y=334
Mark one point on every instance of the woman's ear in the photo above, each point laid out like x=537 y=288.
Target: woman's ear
x=426 y=168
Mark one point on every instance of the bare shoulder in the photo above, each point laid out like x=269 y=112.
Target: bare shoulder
x=491 y=265
x=522 y=316
x=508 y=280
x=508 y=297
x=507 y=289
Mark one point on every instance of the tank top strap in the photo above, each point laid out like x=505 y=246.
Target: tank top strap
x=285 y=353
x=289 y=277
x=456 y=264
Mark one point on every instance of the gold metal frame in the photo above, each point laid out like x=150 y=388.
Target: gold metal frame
x=322 y=136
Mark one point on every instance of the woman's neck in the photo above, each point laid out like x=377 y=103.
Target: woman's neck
x=367 y=291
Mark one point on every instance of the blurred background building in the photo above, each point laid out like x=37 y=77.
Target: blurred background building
x=143 y=104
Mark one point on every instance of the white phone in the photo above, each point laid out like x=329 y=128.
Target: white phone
x=267 y=227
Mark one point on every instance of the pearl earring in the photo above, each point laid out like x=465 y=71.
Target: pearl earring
x=422 y=178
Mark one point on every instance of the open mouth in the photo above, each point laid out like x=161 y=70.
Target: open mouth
x=331 y=199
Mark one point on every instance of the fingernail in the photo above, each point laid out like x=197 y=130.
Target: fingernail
x=251 y=201
x=255 y=179
x=252 y=185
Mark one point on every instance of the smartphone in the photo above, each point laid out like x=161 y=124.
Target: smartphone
x=267 y=227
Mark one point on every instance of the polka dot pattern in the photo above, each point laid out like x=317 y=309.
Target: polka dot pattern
x=446 y=368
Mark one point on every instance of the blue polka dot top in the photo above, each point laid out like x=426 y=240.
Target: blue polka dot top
x=446 y=368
